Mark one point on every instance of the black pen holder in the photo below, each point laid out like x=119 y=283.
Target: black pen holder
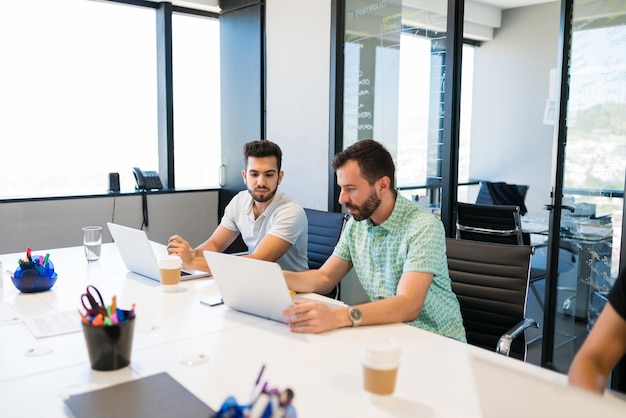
x=109 y=346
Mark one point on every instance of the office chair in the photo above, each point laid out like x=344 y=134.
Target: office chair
x=490 y=281
x=496 y=223
x=324 y=231
x=501 y=193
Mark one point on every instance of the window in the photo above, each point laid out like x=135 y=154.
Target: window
x=78 y=96
x=196 y=76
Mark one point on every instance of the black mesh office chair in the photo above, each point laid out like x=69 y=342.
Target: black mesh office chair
x=324 y=231
x=490 y=281
x=496 y=223
x=501 y=193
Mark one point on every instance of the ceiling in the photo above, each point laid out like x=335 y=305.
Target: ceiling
x=213 y=5
x=510 y=4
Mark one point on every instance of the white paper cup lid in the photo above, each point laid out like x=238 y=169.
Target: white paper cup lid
x=381 y=355
x=170 y=262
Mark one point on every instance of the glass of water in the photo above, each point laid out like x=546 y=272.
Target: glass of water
x=92 y=240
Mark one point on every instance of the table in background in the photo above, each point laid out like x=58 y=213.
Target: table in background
x=438 y=377
x=592 y=250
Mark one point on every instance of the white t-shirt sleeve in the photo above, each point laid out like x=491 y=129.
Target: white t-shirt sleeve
x=289 y=223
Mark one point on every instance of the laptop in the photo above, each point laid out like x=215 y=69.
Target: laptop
x=255 y=287
x=139 y=254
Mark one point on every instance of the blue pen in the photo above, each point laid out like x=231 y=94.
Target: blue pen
x=121 y=315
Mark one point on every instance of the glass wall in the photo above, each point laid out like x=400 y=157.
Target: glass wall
x=394 y=57
x=394 y=80
x=595 y=157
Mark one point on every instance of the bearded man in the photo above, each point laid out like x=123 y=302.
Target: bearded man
x=397 y=249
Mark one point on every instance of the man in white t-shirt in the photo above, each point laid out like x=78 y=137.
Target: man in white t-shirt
x=273 y=226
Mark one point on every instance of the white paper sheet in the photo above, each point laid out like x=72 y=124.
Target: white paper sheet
x=53 y=324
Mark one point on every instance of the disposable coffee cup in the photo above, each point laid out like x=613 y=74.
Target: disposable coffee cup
x=109 y=346
x=170 y=267
x=380 y=360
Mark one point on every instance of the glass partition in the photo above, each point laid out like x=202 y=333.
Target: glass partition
x=593 y=193
x=394 y=58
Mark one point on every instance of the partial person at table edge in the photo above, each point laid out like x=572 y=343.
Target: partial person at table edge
x=272 y=225
x=604 y=346
x=397 y=249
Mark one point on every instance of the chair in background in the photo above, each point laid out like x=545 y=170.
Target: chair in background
x=324 y=231
x=496 y=223
x=490 y=281
x=501 y=193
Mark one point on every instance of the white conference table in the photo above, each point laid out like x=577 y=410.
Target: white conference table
x=216 y=352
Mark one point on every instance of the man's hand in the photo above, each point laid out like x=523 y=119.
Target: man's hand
x=315 y=317
x=178 y=246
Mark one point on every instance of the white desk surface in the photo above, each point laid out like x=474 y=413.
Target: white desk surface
x=438 y=377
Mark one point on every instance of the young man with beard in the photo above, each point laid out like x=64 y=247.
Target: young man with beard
x=273 y=226
x=396 y=247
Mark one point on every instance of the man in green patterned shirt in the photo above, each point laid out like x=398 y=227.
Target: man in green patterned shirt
x=397 y=249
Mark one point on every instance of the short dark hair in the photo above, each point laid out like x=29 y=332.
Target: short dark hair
x=262 y=148
x=373 y=159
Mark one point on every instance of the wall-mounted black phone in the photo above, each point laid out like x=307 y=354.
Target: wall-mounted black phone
x=147 y=180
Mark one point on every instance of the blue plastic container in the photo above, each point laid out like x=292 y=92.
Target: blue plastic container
x=32 y=277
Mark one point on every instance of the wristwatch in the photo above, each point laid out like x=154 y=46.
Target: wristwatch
x=355 y=315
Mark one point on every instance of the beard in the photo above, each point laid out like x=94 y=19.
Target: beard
x=262 y=199
x=365 y=210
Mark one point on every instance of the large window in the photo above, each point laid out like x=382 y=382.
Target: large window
x=78 y=96
x=196 y=73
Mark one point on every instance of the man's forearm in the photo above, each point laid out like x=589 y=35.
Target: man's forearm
x=310 y=281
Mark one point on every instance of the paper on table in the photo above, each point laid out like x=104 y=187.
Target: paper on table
x=9 y=315
x=53 y=324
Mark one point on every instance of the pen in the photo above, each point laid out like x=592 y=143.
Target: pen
x=28 y=254
x=83 y=317
x=98 y=321
x=121 y=315
x=260 y=406
x=45 y=259
x=258 y=379
x=254 y=393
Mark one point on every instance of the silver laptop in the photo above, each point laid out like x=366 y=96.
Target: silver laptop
x=254 y=286
x=139 y=254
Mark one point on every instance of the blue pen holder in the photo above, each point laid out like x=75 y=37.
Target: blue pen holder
x=31 y=277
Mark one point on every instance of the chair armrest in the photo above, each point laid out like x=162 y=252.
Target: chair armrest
x=504 y=343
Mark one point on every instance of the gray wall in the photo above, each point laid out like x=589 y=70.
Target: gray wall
x=509 y=141
x=57 y=223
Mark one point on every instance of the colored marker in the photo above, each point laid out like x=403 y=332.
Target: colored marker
x=98 y=321
x=83 y=317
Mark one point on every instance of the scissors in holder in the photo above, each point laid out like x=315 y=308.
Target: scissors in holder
x=93 y=306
